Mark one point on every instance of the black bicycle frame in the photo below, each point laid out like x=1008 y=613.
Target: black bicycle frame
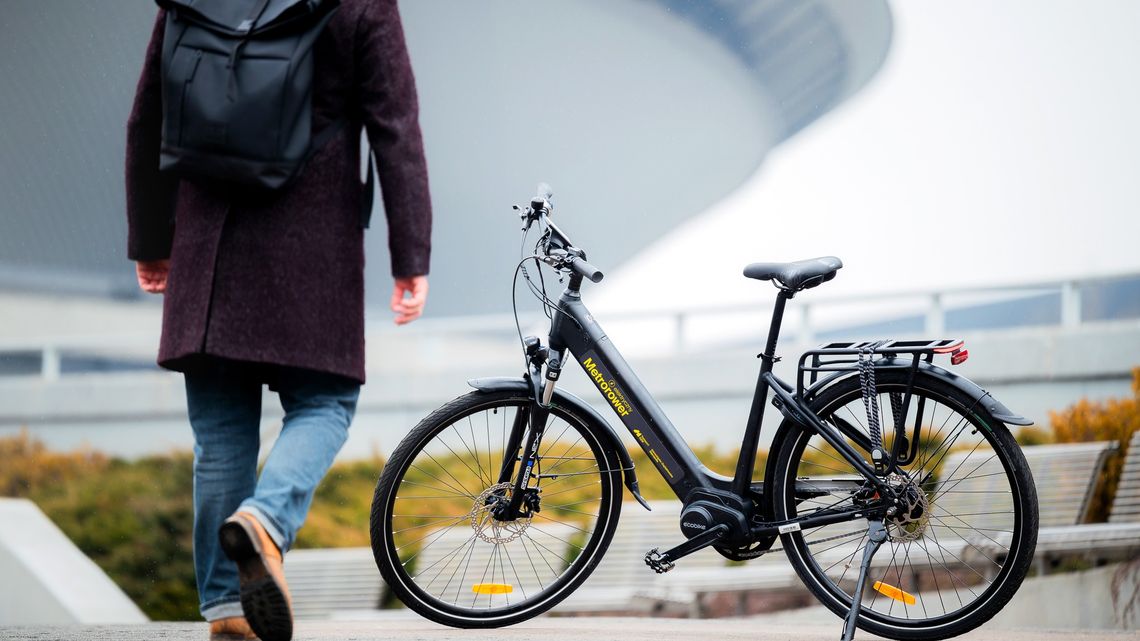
x=574 y=329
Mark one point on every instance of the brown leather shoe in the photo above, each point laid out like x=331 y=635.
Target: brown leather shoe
x=231 y=628
x=265 y=597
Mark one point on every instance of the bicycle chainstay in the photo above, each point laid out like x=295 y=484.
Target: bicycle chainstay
x=657 y=564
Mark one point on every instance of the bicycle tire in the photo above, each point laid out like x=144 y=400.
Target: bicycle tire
x=435 y=606
x=940 y=481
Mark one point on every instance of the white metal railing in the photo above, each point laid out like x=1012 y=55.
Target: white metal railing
x=806 y=321
x=807 y=318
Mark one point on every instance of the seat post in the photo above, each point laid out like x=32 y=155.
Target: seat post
x=774 y=329
x=747 y=460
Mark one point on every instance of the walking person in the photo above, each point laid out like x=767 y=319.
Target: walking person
x=266 y=287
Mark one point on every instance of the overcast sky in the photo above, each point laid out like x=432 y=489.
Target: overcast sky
x=998 y=144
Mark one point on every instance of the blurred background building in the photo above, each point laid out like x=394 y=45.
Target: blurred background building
x=971 y=163
x=683 y=139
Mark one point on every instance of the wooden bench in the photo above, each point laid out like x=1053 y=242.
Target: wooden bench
x=325 y=582
x=1126 y=505
x=1099 y=543
x=1059 y=472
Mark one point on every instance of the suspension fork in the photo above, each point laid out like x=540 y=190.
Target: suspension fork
x=513 y=445
x=536 y=417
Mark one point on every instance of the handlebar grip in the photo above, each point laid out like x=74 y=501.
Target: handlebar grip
x=587 y=270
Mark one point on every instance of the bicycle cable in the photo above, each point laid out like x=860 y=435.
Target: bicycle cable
x=548 y=304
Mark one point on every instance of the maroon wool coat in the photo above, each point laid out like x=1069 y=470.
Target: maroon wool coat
x=280 y=279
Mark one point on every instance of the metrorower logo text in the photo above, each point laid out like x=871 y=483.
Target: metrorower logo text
x=608 y=388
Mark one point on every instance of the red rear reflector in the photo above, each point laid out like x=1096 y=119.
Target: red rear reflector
x=959 y=357
x=946 y=349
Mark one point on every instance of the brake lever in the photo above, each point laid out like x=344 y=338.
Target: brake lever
x=525 y=215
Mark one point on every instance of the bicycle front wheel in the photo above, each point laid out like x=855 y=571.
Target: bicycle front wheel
x=435 y=535
x=961 y=545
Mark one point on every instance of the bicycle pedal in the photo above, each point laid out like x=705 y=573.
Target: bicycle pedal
x=657 y=561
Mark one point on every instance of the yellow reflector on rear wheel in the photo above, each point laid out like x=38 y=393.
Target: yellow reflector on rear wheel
x=893 y=592
x=492 y=588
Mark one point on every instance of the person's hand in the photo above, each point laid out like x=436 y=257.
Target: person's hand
x=152 y=275
x=410 y=308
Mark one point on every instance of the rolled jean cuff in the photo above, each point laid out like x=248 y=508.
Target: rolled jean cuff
x=222 y=608
x=272 y=528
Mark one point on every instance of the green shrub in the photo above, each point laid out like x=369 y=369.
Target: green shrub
x=133 y=519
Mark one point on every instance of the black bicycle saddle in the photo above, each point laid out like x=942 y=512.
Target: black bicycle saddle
x=797 y=276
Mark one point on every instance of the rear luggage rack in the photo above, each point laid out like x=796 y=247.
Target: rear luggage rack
x=841 y=357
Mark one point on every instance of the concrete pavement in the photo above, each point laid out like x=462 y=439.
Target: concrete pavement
x=544 y=628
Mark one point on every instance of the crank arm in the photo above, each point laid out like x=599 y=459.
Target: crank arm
x=662 y=562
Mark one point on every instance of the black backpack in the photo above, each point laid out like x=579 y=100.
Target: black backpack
x=238 y=87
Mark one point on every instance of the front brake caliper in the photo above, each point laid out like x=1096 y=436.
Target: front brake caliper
x=531 y=501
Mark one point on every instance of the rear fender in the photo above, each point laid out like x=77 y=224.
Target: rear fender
x=970 y=388
x=580 y=407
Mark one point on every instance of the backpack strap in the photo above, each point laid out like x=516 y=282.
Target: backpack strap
x=367 y=201
x=254 y=15
x=244 y=28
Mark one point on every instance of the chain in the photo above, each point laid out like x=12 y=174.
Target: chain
x=818 y=541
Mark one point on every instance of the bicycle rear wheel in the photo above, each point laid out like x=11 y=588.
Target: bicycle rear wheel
x=962 y=546
x=435 y=537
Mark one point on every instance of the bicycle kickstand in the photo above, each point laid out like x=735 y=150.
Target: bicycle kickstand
x=876 y=535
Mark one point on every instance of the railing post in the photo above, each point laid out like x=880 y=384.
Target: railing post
x=50 y=363
x=1070 y=304
x=807 y=336
x=935 y=317
x=679 y=332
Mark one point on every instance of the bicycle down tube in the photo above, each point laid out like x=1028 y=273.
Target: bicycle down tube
x=576 y=330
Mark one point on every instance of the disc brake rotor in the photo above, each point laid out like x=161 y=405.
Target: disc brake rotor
x=913 y=516
x=483 y=520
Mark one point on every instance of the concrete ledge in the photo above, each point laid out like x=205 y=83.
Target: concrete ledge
x=47 y=580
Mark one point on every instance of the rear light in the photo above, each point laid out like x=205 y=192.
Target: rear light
x=959 y=357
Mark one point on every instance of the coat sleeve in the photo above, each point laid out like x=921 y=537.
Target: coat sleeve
x=387 y=91
x=150 y=193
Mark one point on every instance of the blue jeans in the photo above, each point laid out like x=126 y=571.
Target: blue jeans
x=224 y=402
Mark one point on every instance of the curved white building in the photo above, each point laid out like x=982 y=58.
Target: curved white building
x=640 y=113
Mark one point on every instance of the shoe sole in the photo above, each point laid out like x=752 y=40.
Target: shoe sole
x=262 y=599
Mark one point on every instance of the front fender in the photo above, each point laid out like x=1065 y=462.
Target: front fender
x=566 y=399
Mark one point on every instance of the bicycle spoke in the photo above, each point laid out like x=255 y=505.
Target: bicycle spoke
x=496 y=564
x=958 y=482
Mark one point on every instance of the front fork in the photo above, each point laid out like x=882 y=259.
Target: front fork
x=538 y=411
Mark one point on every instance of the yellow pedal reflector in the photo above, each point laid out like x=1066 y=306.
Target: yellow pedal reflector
x=492 y=588
x=893 y=592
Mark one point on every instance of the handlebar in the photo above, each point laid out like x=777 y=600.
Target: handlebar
x=580 y=266
x=558 y=251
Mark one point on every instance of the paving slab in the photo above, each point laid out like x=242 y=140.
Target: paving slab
x=545 y=628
